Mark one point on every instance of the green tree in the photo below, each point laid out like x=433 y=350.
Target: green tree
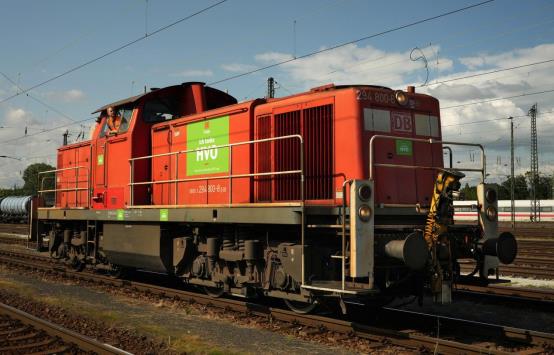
x=521 y=189
x=544 y=187
x=469 y=192
x=30 y=177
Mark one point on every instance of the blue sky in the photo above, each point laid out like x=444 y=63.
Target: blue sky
x=43 y=39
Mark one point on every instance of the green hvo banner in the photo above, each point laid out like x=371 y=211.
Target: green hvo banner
x=206 y=135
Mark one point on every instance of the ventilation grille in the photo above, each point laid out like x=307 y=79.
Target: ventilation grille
x=318 y=146
x=263 y=161
x=287 y=156
x=316 y=127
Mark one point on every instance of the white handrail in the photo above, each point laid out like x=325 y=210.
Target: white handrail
x=75 y=189
x=230 y=176
x=430 y=141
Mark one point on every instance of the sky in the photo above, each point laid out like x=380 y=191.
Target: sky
x=61 y=51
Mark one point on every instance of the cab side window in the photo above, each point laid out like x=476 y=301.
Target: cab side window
x=159 y=110
x=126 y=114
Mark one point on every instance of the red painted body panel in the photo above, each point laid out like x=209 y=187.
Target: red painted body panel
x=206 y=188
x=70 y=157
x=336 y=125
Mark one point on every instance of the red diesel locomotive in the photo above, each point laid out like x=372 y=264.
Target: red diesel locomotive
x=335 y=193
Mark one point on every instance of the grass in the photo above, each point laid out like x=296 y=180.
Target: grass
x=111 y=314
x=16 y=287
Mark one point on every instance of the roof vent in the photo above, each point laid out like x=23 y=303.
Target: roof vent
x=323 y=87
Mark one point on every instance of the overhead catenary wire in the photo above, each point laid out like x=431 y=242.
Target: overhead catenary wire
x=242 y=74
x=128 y=44
x=44 y=131
x=498 y=98
x=37 y=100
x=492 y=119
x=94 y=28
x=487 y=73
x=430 y=46
x=343 y=44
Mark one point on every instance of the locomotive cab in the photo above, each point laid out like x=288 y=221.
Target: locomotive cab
x=113 y=149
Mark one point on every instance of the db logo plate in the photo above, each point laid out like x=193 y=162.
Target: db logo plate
x=401 y=122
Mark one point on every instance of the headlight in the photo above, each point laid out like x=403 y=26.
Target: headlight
x=364 y=192
x=364 y=212
x=491 y=213
x=490 y=195
x=401 y=98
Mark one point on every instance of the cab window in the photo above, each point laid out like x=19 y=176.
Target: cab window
x=159 y=110
x=126 y=114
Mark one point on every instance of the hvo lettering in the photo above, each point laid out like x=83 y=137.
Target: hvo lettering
x=207 y=154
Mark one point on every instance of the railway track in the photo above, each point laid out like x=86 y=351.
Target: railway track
x=530 y=230
x=528 y=267
x=534 y=342
x=14 y=228
x=527 y=294
x=527 y=264
x=23 y=333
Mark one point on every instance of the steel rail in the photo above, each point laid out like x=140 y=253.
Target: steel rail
x=528 y=294
x=493 y=290
x=68 y=336
x=544 y=273
x=399 y=338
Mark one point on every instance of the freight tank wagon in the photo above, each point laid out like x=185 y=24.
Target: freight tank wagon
x=338 y=193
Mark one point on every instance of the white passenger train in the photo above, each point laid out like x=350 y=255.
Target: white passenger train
x=467 y=210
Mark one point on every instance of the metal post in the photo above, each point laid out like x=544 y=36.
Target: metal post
x=76 y=186
x=131 y=186
x=230 y=175
x=55 y=187
x=450 y=155
x=176 y=178
x=303 y=237
x=512 y=183
x=534 y=164
x=343 y=242
x=270 y=88
x=89 y=178
x=31 y=216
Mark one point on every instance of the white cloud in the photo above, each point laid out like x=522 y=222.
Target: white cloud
x=461 y=92
x=352 y=64
x=73 y=95
x=237 y=67
x=510 y=58
x=273 y=57
x=66 y=96
x=41 y=147
x=15 y=115
x=194 y=73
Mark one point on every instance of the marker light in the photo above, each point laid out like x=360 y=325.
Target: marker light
x=490 y=195
x=491 y=213
x=364 y=192
x=364 y=212
x=401 y=98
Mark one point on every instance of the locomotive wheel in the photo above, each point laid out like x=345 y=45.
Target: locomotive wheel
x=76 y=259
x=57 y=253
x=77 y=264
x=117 y=272
x=301 y=307
x=214 y=292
